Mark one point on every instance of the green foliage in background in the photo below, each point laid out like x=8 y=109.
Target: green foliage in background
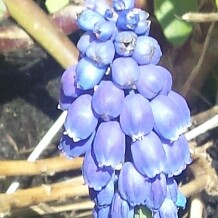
x=143 y=212
x=3 y=9
x=55 y=5
x=168 y=12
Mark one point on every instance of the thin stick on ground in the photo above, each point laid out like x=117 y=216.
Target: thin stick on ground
x=210 y=124
x=44 y=193
x=75 y=206
x=41 y=146
x=47 y=166
x=196 y=208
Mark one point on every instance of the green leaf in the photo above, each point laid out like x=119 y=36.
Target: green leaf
x=217 y=3
x=143 y=212
x=55 y=5
x=3 y=9
x=167 y=12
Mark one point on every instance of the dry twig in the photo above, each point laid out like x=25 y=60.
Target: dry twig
x=44 y=193
x=37 y=24
x=200 y=17
x=45 y=166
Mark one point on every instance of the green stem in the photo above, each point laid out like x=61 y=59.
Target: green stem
x=41 y=28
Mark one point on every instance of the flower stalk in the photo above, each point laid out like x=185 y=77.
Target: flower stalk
x=43 y=30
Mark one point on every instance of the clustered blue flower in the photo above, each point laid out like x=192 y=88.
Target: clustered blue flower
x=123 y=115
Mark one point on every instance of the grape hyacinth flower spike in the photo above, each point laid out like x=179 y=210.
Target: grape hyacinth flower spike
x=122 y=115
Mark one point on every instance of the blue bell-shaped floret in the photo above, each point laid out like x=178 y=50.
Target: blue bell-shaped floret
x=87 y=19
x=177 y=155
x=109 y=144
x=88 y=75
x=104 y=196
x=149 y=156
x=68 y=83
x=64 y=101
x=143 y=26
x=121 y=208
x=101 y=212
x=107 y=100
x=125 y=72
x=147 y=51
x=101 y=53
x=132 y=185
x=128 y=19
x=75 y=149
x=181 y=200
x=98 y=6
x=125 y=43
x=167 y=210
x=167 y=80
x=163 y=107
x=118 y=5
x=156 y=193
x=105 y=30
x=151 y=81
x=182 y=108
x=80 y=122
x=94 y=176
x=136 y=118
x=84 y=42
x=172 y=189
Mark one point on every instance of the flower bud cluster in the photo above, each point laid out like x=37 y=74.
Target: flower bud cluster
x=122 y=114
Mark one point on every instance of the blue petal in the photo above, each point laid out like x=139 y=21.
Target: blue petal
x=102 y=53
x=178 y=155
x=87 y=19
x=172 y=189
x=181 y=200
x=167 y=210
x=94 y=176
x=104 y=30
x=107 y=100
x=132 y=186
x=128 y=19
x=98 y=6
x=85 y=41
x=88 y=75
x=105 y=196
x=182 y=108
x=80 y=122
x=125 y=77
x=143 y=25
x=101 y=212
x=151 y=81
x=148 y=155
x=156 y=195
x=125 y=43
x=109 y=144
x=167 y=123
x=167 y=80
x=118 y=5
x=75 y=149
x=64 y=101
x=136 y=118
x=147 y=51
x=68 y=82
x=120 y=208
